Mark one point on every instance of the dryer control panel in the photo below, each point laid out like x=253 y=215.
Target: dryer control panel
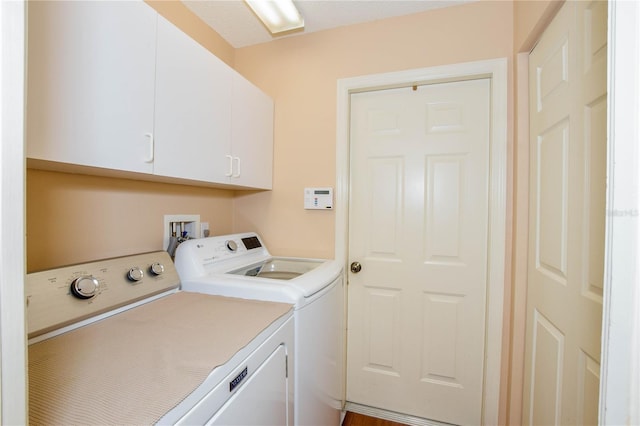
x=62 y=296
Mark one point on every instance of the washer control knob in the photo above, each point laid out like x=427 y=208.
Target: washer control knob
x=156 y=268
x=85 y=287
x=135 y=274
x=231 y=245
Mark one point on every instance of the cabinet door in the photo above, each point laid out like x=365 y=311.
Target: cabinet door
x=252 y=135
x=193 y=109
x=90 y=83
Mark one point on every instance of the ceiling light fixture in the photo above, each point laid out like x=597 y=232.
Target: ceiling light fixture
x=279 y=16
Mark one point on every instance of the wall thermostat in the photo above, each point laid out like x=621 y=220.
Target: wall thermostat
x=318 y=198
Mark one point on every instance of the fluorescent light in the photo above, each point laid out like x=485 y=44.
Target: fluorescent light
x=278 y=16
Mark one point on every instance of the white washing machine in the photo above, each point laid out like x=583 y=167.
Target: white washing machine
x=240 y=265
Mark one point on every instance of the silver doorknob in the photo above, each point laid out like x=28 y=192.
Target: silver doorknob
x=356 y=267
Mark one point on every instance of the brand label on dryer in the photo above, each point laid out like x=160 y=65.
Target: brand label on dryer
x=239 y=378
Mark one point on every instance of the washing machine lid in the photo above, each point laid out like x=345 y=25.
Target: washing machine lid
x=307 y=276
x=277 y=268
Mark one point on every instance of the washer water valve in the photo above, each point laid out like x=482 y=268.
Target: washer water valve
x=179 y=228
x=178 y=235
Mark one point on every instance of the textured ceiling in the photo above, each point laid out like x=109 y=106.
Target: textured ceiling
x=235 y=22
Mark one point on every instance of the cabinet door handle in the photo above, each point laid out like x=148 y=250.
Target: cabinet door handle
x=237 y=173
x=230 y=172
x=151 y=148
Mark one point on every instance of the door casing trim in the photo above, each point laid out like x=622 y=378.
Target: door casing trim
x=496 y=69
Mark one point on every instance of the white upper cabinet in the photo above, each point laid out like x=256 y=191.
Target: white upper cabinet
x=193 y=109
x=90 y=96
x=116 y=87
x=252 y=135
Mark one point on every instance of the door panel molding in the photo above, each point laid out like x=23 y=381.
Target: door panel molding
x=496 y=69
x=548 y=349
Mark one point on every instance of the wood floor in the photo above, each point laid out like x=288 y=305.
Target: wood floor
x=354 y=419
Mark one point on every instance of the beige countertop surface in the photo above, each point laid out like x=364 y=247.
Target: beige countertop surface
x=135 y=366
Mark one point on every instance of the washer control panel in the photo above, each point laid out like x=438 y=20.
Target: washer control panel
x=69 y=294
x=197 y=257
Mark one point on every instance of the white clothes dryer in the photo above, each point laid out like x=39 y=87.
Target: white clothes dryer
x=115 y=342
x=240 y=265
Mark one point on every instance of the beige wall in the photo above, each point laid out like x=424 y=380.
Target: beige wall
x=301 y=74
x=75 y=218
x=530 y=18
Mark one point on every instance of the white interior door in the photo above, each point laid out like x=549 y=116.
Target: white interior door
x=568 y=107
x=418 y=227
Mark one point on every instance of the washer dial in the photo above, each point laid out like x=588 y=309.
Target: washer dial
x=231 y=245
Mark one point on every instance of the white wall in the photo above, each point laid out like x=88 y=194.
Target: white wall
x=12 y=321
x=620 y=379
